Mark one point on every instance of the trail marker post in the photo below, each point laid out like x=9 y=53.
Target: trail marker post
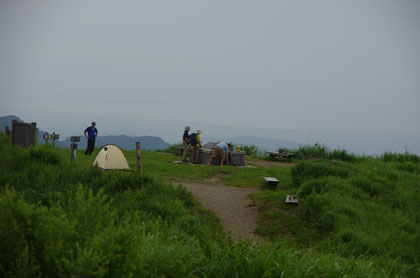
x=46 y=137
x=138 y=154
x=73 y=147
x=52 y=137
x=55 y=137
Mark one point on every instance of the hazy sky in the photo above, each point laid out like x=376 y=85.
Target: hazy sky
x=338 y=65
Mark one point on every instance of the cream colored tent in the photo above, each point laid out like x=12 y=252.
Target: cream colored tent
x=111 y=157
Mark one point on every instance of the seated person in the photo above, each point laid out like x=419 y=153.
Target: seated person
x=221 y=148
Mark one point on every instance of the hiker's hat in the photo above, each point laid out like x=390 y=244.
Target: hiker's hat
x=198 y=131
x=187 y=128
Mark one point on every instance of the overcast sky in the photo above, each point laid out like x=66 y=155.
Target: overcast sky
x=304 y=65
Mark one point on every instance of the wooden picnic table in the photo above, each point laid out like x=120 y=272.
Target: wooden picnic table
x=288 y=156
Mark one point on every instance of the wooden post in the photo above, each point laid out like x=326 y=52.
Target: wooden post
x=7 y=130
x=46 y=138
x=138 y=153
x=73 y=148
x=53 y=138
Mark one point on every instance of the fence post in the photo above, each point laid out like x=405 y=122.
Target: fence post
x=73 y=147
x=138 y=154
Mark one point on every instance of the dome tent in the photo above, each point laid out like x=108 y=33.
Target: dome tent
x=111 y=157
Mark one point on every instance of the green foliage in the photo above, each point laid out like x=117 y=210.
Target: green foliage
x=43 y=154
x=252 y=150
x=319 y=185
x=309 y=170
x=311 y=151
x=173 y=148
x=58 y=219
x=319 y=151
x=369 y=209
x=398 y=157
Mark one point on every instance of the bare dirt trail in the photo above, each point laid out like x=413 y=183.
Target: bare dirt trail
x=233 y=207
x=235 y=210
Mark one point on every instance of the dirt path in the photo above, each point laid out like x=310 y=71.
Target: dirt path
x=231 y=205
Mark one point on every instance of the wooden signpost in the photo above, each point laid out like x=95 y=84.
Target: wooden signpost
x=138 y=154
x=52 y=137
x=73 y=147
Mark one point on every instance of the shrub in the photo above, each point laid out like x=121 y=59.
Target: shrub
x=43 y=154
x=365 y=184
x=342 y=155
x=398 y=157
x=315 y=208
x=252 y=150
x=409 y=166
x=320 y=151
x=173 y=148
x=308 y=170
x=319 y=185
x=311 y=151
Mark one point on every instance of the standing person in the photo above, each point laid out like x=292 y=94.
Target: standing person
x=221 y=148
x=197 y=146
x=185 y=143
x=91 y=135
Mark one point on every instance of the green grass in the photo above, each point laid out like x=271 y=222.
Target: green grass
x=369 y=208
x=356 y=219
x=317 y=151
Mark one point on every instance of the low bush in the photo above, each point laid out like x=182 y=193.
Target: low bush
x=173 y=148
x=43 y=154
x=307 y=170
x=60 y=219
x=320 y=151
x=320 y=185
x=398 y=157
x=252 y=150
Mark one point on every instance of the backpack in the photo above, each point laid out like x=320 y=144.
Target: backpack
x=193 y=139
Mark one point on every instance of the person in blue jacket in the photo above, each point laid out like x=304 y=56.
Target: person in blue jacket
x=91 y=133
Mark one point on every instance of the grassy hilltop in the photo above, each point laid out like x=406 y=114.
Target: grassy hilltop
x=357 y=217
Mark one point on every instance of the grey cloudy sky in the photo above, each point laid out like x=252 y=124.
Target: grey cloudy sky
x=336 y=65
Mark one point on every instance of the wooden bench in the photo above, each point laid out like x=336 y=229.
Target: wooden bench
x=271 y=182
x=288 y=156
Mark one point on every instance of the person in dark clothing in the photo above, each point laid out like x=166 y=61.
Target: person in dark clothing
x=91 y=133
x=185 y=143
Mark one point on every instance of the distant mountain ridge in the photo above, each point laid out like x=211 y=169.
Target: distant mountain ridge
x=149 y=143
x=7 y=121
x=123 y=141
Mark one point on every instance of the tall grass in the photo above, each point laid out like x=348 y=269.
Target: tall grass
x=173 y=148
x=397 y=157
x=252 y=150
x=320 y=151
x=365 y=209
x=58 y=219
